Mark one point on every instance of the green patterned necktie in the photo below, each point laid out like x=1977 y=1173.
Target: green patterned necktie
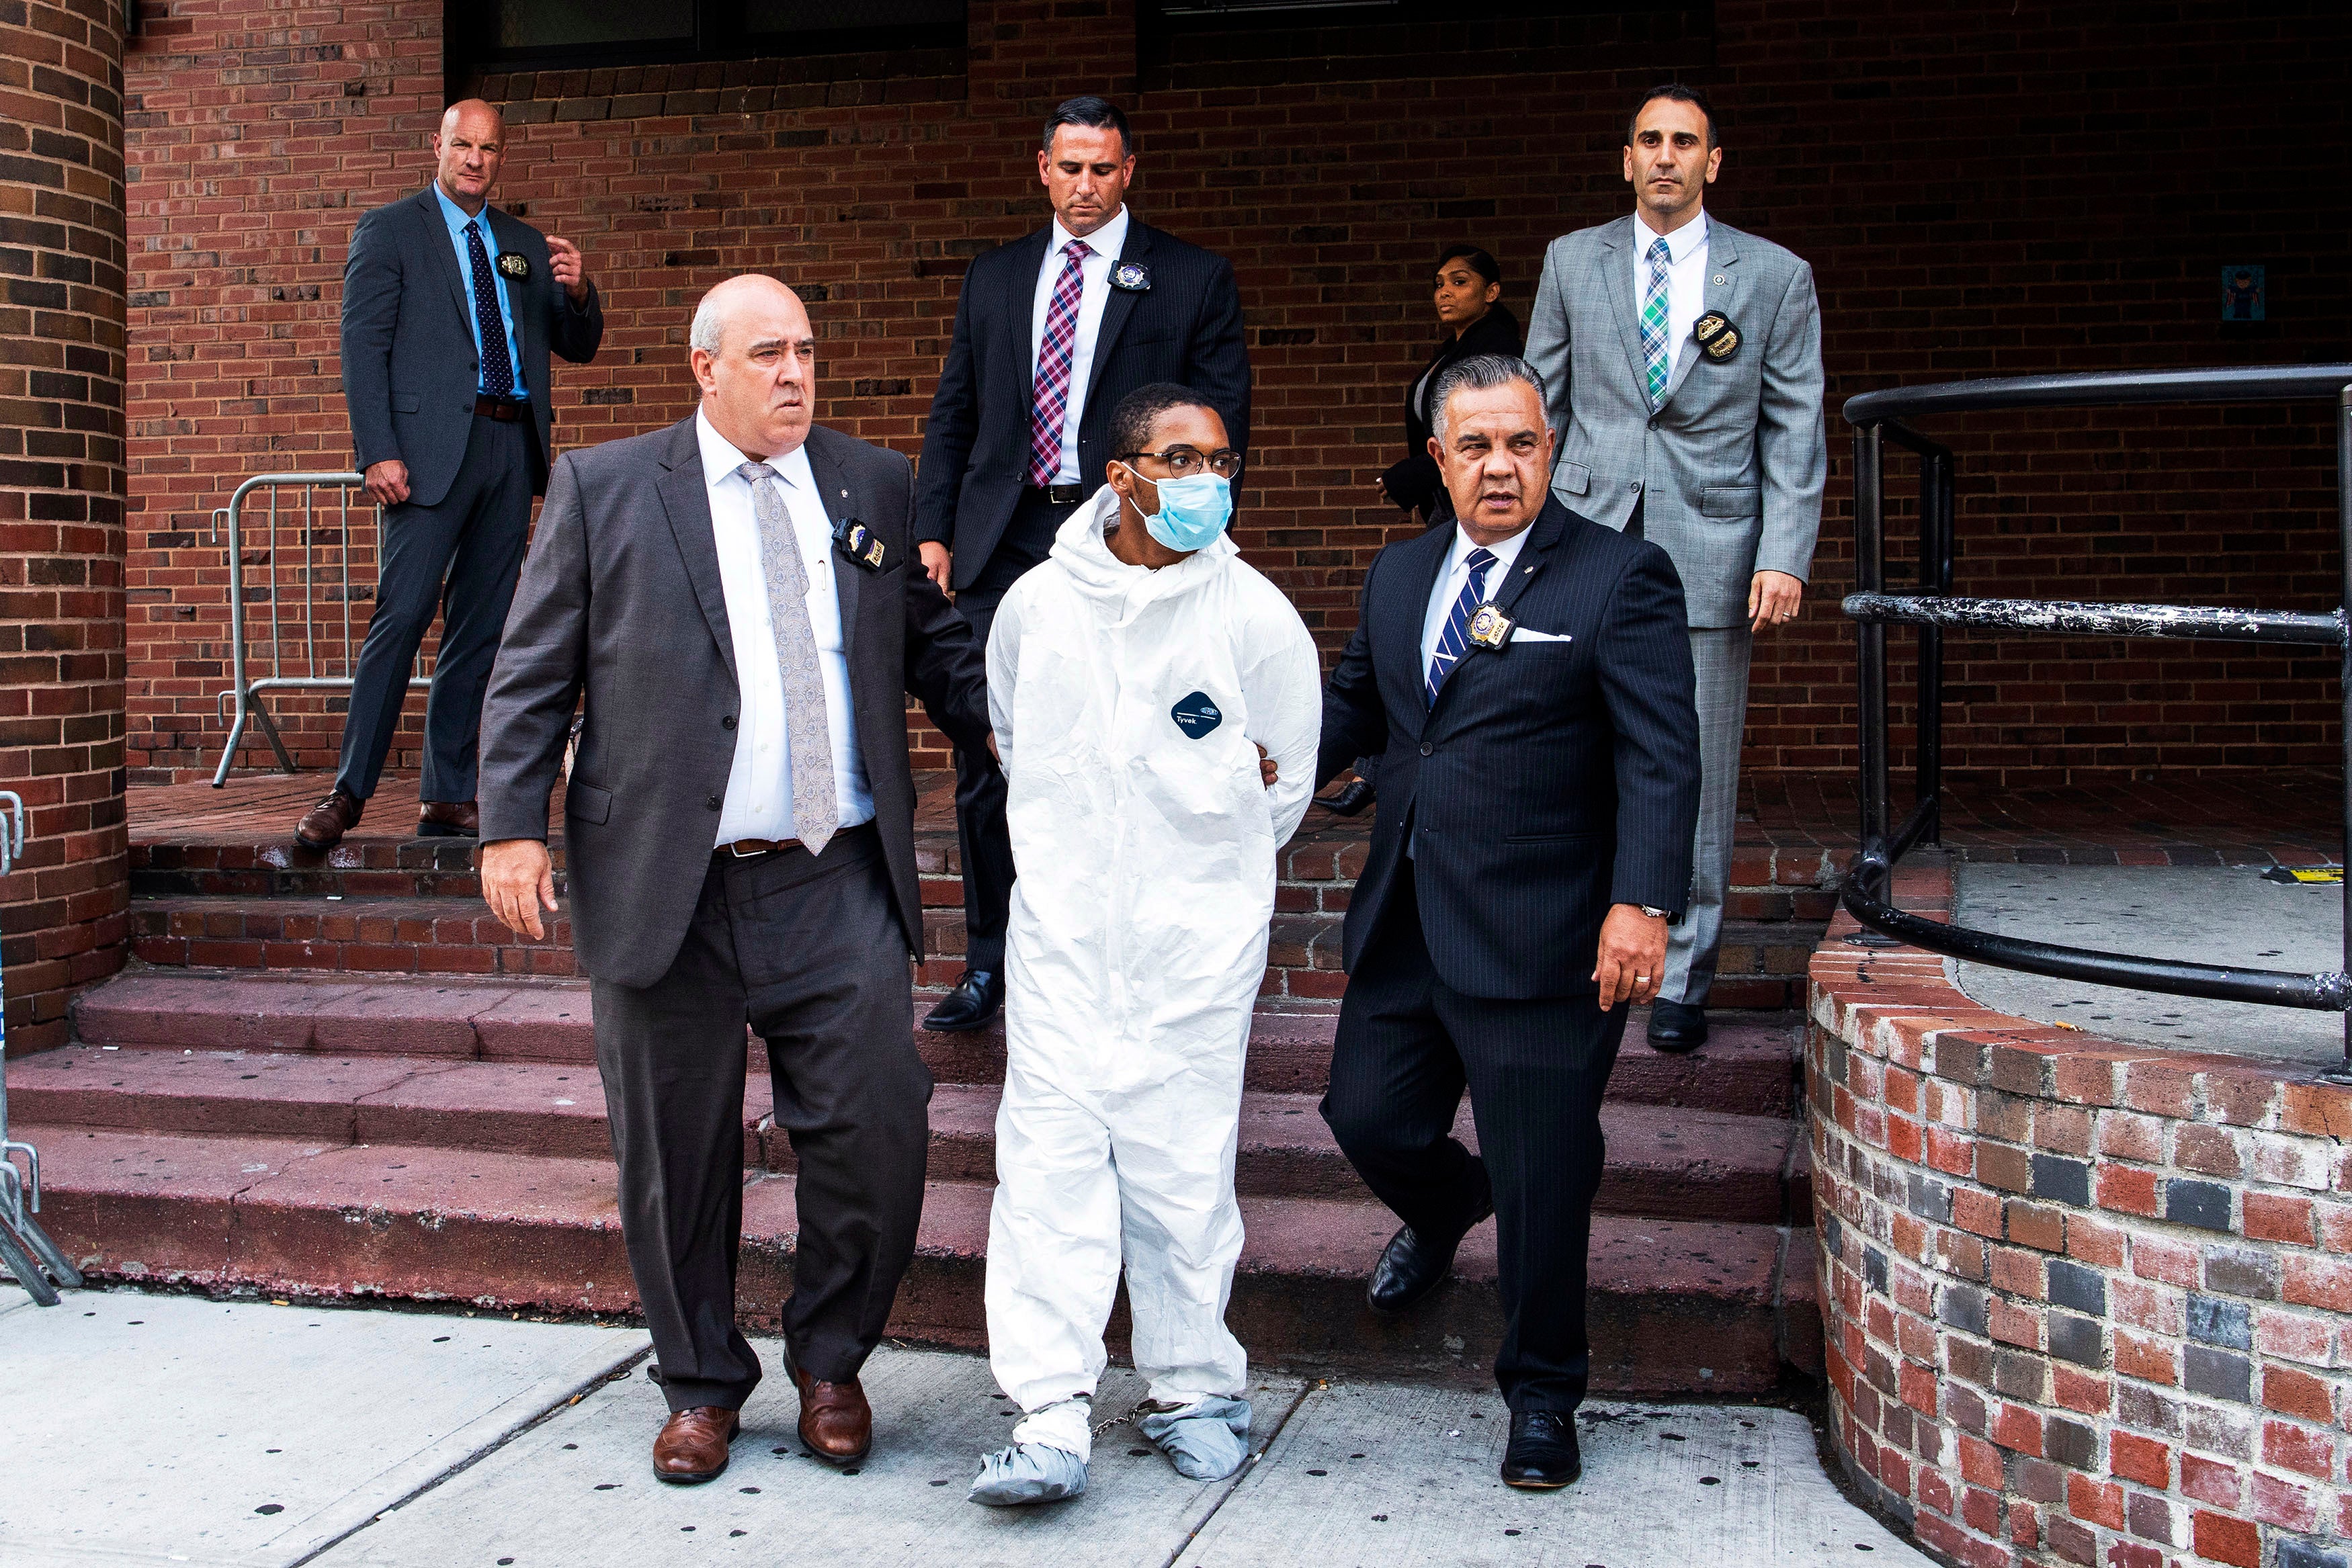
x=816 y=808
x=1654 y=348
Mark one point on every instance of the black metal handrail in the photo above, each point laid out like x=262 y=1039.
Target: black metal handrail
x=1866 y=889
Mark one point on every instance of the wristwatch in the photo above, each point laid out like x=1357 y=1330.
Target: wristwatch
x=1656 y=913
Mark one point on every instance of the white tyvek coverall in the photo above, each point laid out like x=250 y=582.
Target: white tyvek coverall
x=1135 y=952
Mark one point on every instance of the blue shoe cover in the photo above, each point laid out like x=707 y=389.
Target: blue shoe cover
x=1206 y=1440
x=1026 y=1473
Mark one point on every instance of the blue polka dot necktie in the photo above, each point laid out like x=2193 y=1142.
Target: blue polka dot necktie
x=498 y=370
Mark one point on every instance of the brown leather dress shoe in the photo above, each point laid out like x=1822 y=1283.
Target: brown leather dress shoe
x=323 y=827
x=837 y=1422
x=449 y=820
x=692 y=1447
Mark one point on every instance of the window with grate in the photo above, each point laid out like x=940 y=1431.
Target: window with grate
x=481 y=35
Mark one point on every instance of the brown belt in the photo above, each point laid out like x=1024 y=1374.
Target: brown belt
x=746 y=849
x=505 y=411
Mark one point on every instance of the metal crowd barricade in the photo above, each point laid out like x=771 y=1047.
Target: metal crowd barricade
x=1866 y=891
x=25 y=1247
x=319 y=673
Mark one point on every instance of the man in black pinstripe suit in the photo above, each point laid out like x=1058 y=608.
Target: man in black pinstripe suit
x=1525 y=678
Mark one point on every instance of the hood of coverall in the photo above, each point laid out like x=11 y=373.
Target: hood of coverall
x=1084 y=547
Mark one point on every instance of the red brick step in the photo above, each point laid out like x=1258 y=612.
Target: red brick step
x=1677 y=1306
x=1746 y=1068
x=1671 y=1163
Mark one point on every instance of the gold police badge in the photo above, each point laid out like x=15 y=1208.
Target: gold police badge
x=861 y=544
x=1489 y=627
x=1718 y=339
x=513 y=264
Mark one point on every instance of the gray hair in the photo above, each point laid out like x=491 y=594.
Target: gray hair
x=1479 y=373
x=710 y=329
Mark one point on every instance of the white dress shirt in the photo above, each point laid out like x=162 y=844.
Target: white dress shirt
x=759 y=803
x=1686 y=277
x=1095 y=294
x=1450 y=581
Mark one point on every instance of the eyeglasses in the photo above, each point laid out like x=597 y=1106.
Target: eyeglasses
x=1184 y=461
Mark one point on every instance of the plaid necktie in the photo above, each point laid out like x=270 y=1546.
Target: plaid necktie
x=816 y=810
x=1456 y=637
x=1054 y=352
x=498 y=370
x=1654 y=348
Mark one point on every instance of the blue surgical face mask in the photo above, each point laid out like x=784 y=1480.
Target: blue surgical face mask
x=1193 y=510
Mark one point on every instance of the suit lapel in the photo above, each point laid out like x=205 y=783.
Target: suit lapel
x=833 y=489
x=445 y=257
x=521 y=297
x=1721 y=292
x=688 y=504
x=1397 y=637
x=1617 y=281
x=1543 y=534
x=1119 y=307
x=1020 y=307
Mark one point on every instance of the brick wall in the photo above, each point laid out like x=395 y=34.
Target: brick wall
x=2084 y=1302
x=1982 y=190
x=62 y=921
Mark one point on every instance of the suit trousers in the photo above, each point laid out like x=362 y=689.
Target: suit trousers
x=808 y=951
x=982 y=840
x=1719 y=654
x=1408 y=1045
x=460 y=556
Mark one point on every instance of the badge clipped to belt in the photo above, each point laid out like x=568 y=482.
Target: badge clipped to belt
x=1489 y=628
x=861 y=544
x=1716 y=337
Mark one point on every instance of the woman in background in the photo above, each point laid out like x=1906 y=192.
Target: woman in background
x=1469 y=283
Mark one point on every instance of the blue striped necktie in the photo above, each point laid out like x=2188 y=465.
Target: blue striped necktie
x=1455 y=638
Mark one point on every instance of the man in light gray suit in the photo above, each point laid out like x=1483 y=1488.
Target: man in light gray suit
x=739 y=600
x=1683 y=363
x=450 y=309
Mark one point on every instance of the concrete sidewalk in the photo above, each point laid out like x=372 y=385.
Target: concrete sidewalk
x=163 y=1429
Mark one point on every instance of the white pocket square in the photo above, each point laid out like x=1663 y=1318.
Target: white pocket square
x=1529 y=635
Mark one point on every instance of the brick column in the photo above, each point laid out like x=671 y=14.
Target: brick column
x=62 y=911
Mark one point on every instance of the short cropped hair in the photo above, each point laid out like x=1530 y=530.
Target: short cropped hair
x=1479 y=373
x=1484 y=265
x=1095 y=114
x=1677 y=92
x=1132 y=421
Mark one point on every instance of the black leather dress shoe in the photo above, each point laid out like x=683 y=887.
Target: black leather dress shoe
x=972 y=1003
x=1676 y=1027
x=1542 y=1456
x=1412 y=1266
x=1351 y=798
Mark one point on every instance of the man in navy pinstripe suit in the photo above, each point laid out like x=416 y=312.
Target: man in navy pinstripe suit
x=1525 y=678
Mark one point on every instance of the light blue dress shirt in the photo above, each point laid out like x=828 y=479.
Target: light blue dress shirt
x=456 y=218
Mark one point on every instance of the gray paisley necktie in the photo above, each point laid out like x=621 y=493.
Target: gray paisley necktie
x=816 y=808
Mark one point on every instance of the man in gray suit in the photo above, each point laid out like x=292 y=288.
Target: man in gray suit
x=1683 y=360
x=738 y=599
x=446 y=331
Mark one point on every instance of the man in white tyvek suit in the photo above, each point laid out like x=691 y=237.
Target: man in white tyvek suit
x=1157 y=706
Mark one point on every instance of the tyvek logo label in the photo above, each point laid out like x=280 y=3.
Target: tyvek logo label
x=1196 y=715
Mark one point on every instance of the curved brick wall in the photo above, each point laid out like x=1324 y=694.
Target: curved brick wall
x=63 y=911
x=2086 y=1302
